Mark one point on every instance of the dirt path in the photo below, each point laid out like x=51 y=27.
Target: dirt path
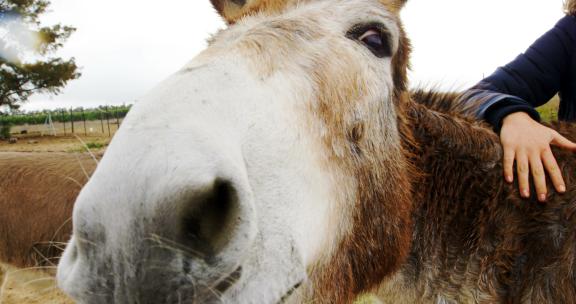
x=54 y=144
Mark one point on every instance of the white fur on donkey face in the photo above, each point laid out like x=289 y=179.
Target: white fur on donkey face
x=219 y=180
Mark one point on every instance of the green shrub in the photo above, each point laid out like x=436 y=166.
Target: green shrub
x=5 y=130
x=94 y=145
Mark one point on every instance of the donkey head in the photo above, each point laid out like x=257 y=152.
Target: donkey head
x=270 y=168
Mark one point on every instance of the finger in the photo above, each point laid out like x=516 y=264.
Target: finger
x=553 y=170
x=522 y=168
x=563 y=142
x=509 y=164
x=538 y=176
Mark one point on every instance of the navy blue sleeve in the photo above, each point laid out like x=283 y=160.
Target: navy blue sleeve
x=531 y=79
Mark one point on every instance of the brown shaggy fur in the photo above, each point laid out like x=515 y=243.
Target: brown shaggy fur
x=453 y=103
x=475 y=239
x=38 y=192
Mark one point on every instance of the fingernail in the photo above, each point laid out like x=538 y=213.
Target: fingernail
x=562 y=188
x=509 y=178
x=542 y=197
x=525 y=193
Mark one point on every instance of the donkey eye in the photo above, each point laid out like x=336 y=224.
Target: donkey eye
x=373 y=37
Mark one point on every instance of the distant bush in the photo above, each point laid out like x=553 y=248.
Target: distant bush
x=89 y=146
x=5 y=129
x=94 y=145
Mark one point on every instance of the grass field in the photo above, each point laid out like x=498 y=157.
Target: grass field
x=30 y=286
x=549 y=111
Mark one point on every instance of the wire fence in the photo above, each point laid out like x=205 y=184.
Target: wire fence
x=101 y=121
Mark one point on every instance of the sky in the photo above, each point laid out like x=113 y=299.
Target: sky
x=125 y=47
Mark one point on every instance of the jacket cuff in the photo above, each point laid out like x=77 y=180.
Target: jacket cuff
x=496 y=113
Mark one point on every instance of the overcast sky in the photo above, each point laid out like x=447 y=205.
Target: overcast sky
x=126 y=46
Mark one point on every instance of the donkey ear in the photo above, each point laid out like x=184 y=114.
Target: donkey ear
x=397 y=5
x=230 y=10
x=570 y=7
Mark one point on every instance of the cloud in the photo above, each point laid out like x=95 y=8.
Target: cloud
x=17 y=40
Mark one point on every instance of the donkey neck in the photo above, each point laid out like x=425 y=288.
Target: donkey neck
x=459 y=160
x=471 y=230
x=458 y=176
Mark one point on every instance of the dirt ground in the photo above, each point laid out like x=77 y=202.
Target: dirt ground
x=29 y=286
x=55 y=143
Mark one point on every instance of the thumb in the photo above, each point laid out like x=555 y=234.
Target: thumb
x=562 y=142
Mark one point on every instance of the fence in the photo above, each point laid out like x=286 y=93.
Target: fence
x=104 y=120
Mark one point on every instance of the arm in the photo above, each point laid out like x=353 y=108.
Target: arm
x=532 y=78
x=512 y=92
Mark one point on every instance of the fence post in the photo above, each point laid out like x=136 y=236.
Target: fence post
x=84 y=119
x=117 y=119
x=101 y=121
x=72 y=120
x=63 y=120
x=108 y=121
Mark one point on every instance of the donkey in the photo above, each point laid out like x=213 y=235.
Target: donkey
x=38 y=191
x=289 y=164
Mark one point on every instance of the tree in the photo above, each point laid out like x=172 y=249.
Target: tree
x=26 y=66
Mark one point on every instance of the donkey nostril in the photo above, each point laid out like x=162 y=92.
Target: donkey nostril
x=208 y=224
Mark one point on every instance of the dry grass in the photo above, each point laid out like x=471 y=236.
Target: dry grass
x=31 y=287
x=55 y=144
x=367 y=299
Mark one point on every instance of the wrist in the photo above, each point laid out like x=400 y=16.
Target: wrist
x=516 y=116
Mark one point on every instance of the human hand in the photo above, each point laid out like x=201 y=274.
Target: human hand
x=528 y=142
